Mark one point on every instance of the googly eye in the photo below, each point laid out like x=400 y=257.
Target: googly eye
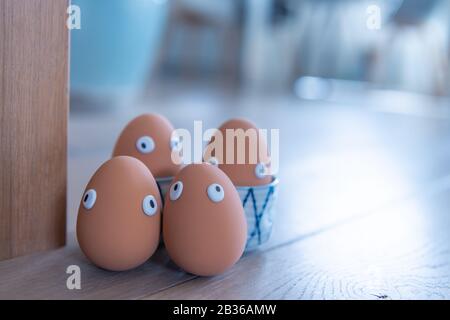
x=145 y=144
x=89 y=199
x=260 y=171
x=175 y=190
x=213 y=161
x=216 y=192
x=174 y=142
x=149 y=205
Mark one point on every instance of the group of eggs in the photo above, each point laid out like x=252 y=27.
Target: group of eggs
x=204 y=228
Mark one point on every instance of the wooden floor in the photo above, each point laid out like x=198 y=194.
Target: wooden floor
x=363 y=210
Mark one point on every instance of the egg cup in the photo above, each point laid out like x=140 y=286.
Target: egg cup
x=164 y=185
x=259 y=209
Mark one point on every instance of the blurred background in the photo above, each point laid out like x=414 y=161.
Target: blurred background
x=320 y=49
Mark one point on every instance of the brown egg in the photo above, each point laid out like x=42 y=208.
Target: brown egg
x=250 y=172
x=118 y=223
x=148 y=138
x=204 y=226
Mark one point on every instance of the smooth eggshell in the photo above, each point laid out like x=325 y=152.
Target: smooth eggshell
x=115 y=234
x=241 y=174
x=160 y=130
x=201 y=236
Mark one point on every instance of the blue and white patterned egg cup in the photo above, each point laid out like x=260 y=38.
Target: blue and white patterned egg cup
x=259 y=209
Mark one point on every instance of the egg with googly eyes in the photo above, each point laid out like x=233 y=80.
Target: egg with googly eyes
x=119 y=218
x=149 y=138
x=204 y=227
x=245 y=166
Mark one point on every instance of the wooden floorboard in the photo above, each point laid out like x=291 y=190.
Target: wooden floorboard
x=43 y=276
x=399 y=253
x=347 y=174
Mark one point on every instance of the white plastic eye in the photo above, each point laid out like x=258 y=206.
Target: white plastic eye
x=213 y=161
x=145 y=144
x=174 y=142
x=216 y=192
x=260 y=171
x=175 y=190
x=149 y=205
x=89 y=198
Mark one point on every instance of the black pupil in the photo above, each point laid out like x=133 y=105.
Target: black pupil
x=86 y=197
x=217 y=188
x=143 y=145
x=152 y=204
x=175 y=187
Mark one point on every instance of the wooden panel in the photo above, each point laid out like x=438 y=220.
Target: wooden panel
x=33 y=124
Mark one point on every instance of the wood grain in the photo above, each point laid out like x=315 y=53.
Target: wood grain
x=394 y=254
x=400 y=252
x=43 y=276
x=33 y=118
